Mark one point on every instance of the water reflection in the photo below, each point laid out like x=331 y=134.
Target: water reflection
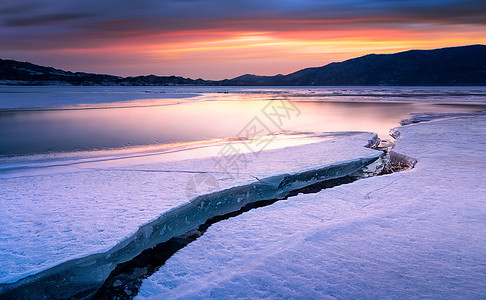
x=60 y=130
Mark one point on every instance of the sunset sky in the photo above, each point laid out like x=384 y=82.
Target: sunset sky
x=216 y=39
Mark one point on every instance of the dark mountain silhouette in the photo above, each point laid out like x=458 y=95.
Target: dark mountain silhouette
x=464 y=65
x=24 y=73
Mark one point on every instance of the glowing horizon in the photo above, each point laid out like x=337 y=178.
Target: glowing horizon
x=213 y=39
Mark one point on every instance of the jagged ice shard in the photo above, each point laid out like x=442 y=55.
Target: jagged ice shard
x=93 y=214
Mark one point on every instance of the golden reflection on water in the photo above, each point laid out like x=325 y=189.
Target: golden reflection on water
x=81 y=128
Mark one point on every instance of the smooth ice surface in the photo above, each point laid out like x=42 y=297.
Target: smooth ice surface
x=35 y=96
x=54 y=212
x=415 y=234
x=12 y=97
x=42 y=120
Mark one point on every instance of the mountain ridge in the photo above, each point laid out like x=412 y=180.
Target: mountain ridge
x=463 y=65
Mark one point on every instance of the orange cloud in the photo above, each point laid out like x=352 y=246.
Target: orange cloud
x=226 y=53
x=285 y=52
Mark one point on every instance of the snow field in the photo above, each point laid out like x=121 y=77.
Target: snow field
x=62 y=213
x=415 y=234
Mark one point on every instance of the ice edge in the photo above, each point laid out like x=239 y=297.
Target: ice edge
x=92 y=270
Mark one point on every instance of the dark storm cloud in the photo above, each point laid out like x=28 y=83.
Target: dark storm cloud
x=198 y=12
x=43 y=19
x=94 y=21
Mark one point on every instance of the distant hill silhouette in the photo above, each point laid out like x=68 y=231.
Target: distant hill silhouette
x=464 y=65
x=24 y=73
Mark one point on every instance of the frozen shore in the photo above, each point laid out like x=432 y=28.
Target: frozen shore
x=70 y=224
x=415 y=234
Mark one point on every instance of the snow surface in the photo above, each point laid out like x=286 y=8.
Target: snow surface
x=415 y=234
x=54 y=212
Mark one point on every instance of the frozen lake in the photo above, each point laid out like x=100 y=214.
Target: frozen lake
x=169 y=158
x=35 y=120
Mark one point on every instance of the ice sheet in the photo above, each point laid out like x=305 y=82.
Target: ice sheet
x=34 y=96
x=415 y=234
x=14 y=97
x=49 y=215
